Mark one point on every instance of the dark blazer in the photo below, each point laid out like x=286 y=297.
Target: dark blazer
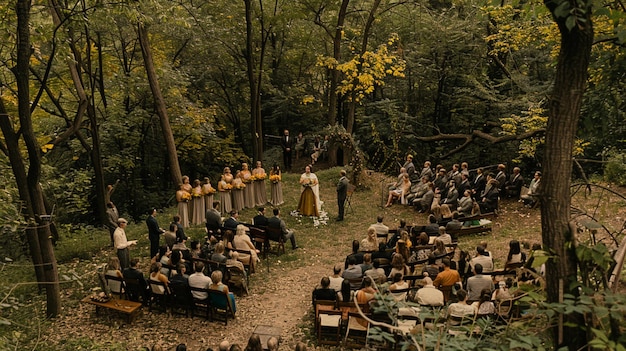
x=231 y=224
x=260 y=220
x=153 y=227
x=213 y=219
x=342 y=189
x=287 y=144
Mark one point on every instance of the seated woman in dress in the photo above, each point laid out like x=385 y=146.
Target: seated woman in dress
x=398 y=284
x=317 y=150
x=398 y=266
x=157 y=276
x=370 y=243
x=446 y=215
x=399 y=193
x=113 y=269
x=276 y=186
x=516 y=258
x=241 y=241
x=484 y=306
x=309 y=204
x=216 y=278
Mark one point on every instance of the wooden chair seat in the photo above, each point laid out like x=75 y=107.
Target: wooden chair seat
x=221 y=307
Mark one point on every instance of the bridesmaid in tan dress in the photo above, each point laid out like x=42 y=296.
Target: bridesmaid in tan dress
x=276 y=186
x=183 y=197
x=187 y=187
x=207 y=191
x=197 y=204
x=248 y=191
x=224 y=187
x=237 y=192
x=260 y=194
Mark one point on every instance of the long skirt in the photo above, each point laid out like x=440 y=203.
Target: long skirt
x=248 y=195
x=307 y=206
x=208 y=202
x=238 y=203
x=198 y=212
x=183 y=213
x=277 y=193
x=225 y=203
x=260 y=195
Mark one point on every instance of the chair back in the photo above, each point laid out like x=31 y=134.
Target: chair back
x=116 y=284
x=274 y=234
x=134 y=290
x=158 y=287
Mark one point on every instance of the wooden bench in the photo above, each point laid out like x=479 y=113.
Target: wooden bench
x=475 y=229
x=129 y=308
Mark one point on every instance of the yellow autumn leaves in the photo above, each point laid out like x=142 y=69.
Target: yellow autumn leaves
x=364 y=72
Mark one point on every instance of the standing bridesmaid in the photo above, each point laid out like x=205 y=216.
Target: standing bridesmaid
x=183 y=197
x=197 y=203
x=248 y=191
x=224 y=187
x=276 y=186
x=207 y=191
x=260 y=194
x=237 y=192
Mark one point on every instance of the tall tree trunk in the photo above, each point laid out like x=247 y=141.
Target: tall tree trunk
x=366 y=36
x=38 y=232
x=255 y=103
x=168 y=136
x=333 y=97
x=564 y=112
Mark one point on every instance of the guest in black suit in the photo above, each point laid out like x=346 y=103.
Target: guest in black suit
x=213 y=219
x=260 y=219
x=286 y=142
x=231 y=223
x=154 y=232
x=133 y=272
x=325 y=292
x=342 y=194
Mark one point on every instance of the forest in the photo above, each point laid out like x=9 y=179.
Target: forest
x=137 y=94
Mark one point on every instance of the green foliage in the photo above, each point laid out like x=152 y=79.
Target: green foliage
x=615 y=168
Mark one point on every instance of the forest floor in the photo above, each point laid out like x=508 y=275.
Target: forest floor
x=280 y=291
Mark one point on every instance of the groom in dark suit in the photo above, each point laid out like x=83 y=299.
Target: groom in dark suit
x=286 y=142
x=342 y=194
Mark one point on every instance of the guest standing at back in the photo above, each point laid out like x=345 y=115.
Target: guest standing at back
x=342 y=194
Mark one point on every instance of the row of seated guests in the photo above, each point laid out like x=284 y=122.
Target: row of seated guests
x=254 y=344
x=456 y=188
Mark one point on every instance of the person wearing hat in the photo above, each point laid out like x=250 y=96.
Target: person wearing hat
x=410 y=169
x=122 y=244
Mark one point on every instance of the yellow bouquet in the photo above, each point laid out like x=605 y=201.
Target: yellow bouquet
x=240 y=186
x=186 y=196
x=209 y=191
x=228 y=187
x=253 y=178
x=275 y=178
x=196 y=194
x=260 y=176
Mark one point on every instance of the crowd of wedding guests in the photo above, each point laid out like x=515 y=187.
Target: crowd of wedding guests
x=443 y=275
x=254 y=344
x=459 y=188
x=245 y=189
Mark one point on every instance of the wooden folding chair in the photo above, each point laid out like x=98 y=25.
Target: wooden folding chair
x=276 y=234
x=221 y=307
x=328 y=327
x=159 y=296
x=357 y=331
x=116 y=285
x=135 y=291
x=181 y=301
x=200 y=305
